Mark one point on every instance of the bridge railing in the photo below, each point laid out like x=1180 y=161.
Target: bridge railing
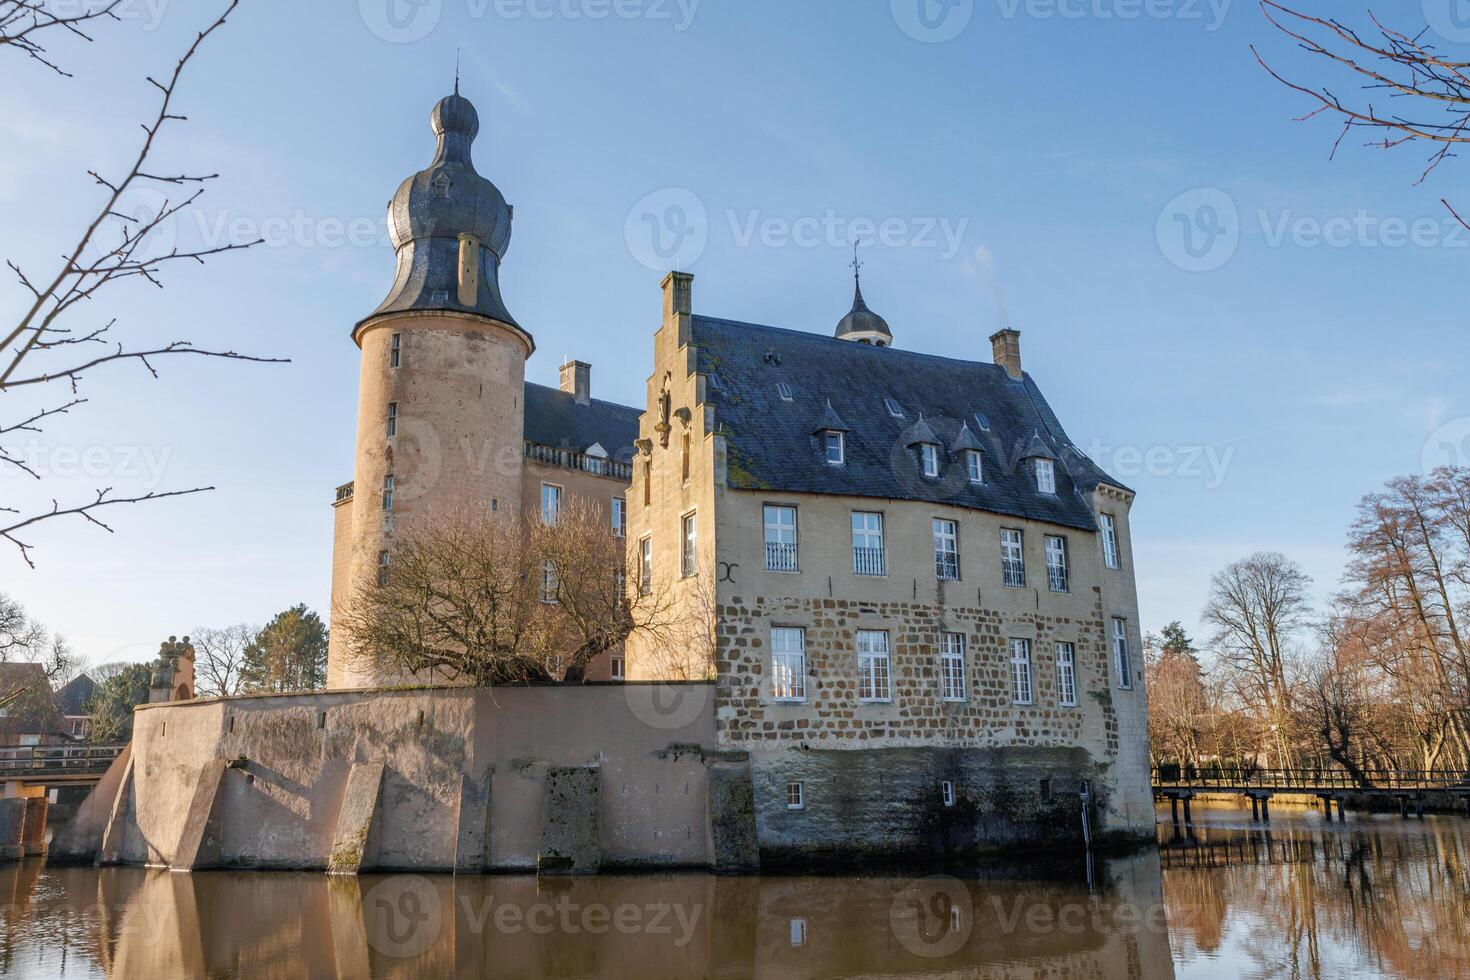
x=43 y=760
x=1185 y=777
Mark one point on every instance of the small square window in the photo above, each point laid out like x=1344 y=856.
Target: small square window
x=1046 y=791
x=798 y=932
x=982 y=421
x=619 y=669
x=1046 y=476
x=795 y=796
x=929 y=459
x=894 y=408
x=835 y=448
x=784 y=390
x=947 y=789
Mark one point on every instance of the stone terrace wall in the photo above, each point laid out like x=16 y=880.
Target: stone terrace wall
x=464 y=777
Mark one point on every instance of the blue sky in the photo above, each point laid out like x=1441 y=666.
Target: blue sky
x=1269 y=378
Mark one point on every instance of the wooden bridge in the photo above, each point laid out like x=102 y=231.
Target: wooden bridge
x=57 y=765
x=1181 y=784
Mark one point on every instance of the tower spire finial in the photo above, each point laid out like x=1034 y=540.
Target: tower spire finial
x=857 y=265
x=456 y=71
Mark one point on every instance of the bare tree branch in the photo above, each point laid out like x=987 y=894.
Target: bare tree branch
x=24 y=24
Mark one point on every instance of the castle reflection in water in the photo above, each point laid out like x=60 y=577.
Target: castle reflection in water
x=1378 y=897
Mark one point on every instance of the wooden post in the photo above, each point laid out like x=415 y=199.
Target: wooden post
x=1174 y=809
x=1340 y=816
x=1255 y=809
x=1404 y=807
x=1266 y=809
x=1327 y=808
x=1188 y=819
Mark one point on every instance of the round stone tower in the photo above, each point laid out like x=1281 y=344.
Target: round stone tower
x=440 y=400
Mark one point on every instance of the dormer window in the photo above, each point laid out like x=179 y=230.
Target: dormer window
x=1046 y=476
x=974 y=466
x=929 y=459
x=836 y=454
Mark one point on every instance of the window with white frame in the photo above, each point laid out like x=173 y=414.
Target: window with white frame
x=874 y=681
x=550 y=503
x=1066 y=675
x=388 y=492
x=788 y=664
x=974 y=466
x=929 y=459
x=645 y=566
x=946 y=792
x=1046 y=476
x=795 y=796
x=395 y=351
x=1021 y=671
x=946 y=549
x=620 y=517
x=550 y=584
x=392 y=419
x=619 y=670
x=688 y=560
x=780 y=525
x=952 y=666
x=834 y=447
x=1122 y=659
x=385 y=561
x=1057 y=577
x=867 y=544
x=1109 y=527
x=1012 y=558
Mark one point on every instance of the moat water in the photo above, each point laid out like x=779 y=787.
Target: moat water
x=1375 y=897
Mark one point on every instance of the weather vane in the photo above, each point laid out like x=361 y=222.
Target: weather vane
x=857 y=265
x=456 y=71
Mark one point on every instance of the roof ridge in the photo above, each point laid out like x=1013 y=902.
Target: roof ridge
x=886 y=352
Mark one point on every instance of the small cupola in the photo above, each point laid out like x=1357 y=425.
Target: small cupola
x=862 y=324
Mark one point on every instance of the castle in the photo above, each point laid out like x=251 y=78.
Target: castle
x=917 y=595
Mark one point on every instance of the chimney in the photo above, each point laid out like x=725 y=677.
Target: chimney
x=1006 y=346
x=678 y=295
x=576 y=380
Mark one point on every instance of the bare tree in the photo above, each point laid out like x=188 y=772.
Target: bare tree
x=219 y=658
x=481 y=597
x=43 y=358
x=1429 y=93
x=26 y=25
x=23 y=640
x=1258 y=606
x=1179 y=708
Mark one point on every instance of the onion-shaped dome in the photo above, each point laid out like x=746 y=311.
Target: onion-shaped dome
x=434 y=211
x=862 y=324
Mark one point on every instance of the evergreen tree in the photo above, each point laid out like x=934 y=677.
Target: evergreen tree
x=288 y=654
x=120 y=689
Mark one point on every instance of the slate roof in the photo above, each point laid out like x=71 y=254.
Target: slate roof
x=553 y=418
x=771 y=446
x=72 y=697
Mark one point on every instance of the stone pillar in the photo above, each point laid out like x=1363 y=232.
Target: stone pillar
x=33 y=830
x=12 y=827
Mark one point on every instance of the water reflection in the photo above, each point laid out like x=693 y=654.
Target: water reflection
x=1377 y=897
x=126 y=922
